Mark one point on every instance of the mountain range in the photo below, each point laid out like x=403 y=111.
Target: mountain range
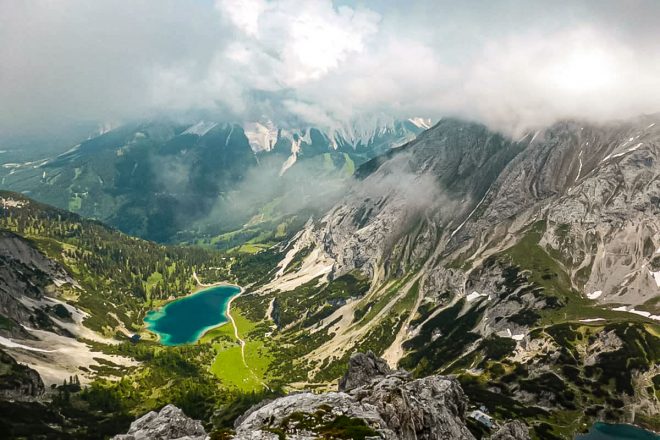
x=169 y=181
x=528 y=269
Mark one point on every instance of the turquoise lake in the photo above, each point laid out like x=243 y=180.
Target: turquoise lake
x=606 y=431
x=185 y=320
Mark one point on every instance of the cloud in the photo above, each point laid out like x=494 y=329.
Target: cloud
x=64 y=61
x=244 y=14
x=302 y=40
x=264 y=193
x=325 y=62
x=530 y=80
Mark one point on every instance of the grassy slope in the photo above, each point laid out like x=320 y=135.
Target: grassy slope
x=228 y=364
x=547 y=273
x=590 y=389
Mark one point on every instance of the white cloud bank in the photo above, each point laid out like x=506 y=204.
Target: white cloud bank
x=325 y=62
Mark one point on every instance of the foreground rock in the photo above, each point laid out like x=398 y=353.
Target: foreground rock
x=372 y=402
x=168 y=424
x=429 y=408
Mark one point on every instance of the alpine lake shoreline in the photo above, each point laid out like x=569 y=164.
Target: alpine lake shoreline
x=160 y=313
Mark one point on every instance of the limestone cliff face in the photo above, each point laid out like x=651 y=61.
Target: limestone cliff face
x=472 y=240
x=598 y=189
x=461 y=191
x=372 y=402
x=441 y=206
x=404 y=203
x=25 y=276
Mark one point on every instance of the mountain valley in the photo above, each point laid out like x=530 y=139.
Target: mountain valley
x=219 y=183
x=526 y=269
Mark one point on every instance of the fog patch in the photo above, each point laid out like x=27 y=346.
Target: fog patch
x=307 y=188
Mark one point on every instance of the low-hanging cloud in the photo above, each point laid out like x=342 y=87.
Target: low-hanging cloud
x=512 y=66
x=265 y=195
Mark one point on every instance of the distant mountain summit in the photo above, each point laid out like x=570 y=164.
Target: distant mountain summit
x=162 y=179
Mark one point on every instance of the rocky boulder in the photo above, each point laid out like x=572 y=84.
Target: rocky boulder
x=372 y=402
x=168 y=424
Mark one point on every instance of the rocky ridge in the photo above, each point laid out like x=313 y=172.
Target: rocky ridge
x=372 y=402
x=169 y=181
x=462 y=192
x=459 y=194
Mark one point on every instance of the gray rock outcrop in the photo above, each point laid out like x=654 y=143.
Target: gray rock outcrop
x=513 y=430
x=362 y=369
x=390 y=408
x=374 y=402
x=170 y=423
x=25 y=277
x=461 y=191
x=17 y=381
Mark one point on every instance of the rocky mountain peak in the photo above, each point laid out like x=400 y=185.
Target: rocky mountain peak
x=363 y=368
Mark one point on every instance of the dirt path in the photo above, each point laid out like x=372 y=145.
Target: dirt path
x=236 y=335
x=241 y=341
x=200 y=284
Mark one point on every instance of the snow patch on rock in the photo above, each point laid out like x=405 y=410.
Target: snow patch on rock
x=474 y=295
x=594 y=295
x=637 y=312
x=423 y=123
x=517 y=337
x=6 y=342
x=261 y=136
